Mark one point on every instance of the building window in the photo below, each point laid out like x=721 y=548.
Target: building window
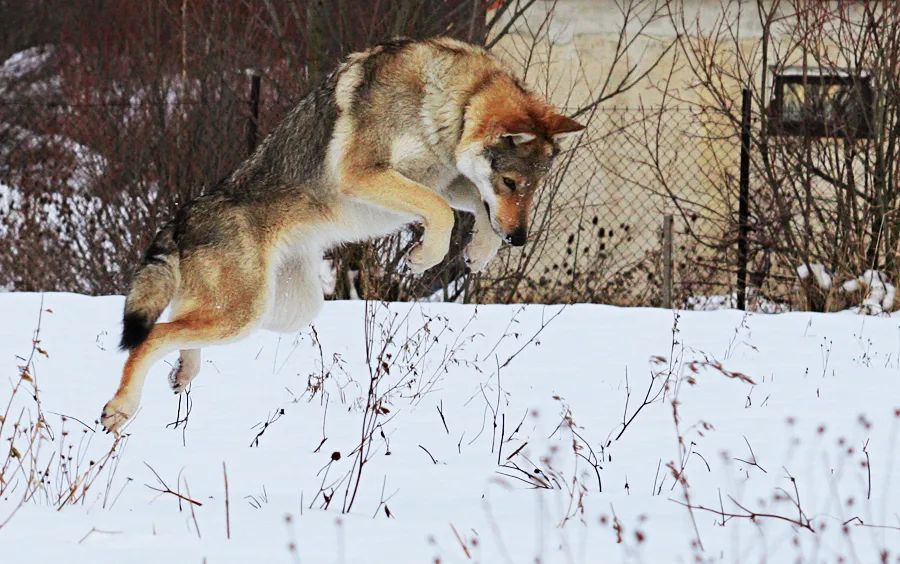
x=821 y=103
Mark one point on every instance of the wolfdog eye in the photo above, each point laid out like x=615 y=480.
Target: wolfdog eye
x=510 y=183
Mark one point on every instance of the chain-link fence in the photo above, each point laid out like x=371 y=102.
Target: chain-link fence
x=600 y=227
x=819 y=227
x=599 y=231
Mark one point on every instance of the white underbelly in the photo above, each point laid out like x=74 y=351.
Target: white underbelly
x=348 y=222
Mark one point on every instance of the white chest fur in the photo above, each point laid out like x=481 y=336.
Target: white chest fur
x=413 y=158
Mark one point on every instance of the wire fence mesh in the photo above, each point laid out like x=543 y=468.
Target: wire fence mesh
x=90 y=186
x=108 y=124
x=596 y=231
x=599 y=223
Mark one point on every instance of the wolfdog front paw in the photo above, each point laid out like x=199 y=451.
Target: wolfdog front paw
x=424 y=256
x=481 y=250
x=116 y=412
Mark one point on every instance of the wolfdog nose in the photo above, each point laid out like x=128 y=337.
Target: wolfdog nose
x=518 y=237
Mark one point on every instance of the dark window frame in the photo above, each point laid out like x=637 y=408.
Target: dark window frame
x=854 y=124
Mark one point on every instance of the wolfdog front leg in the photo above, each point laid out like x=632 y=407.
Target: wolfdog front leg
x=485 y=242
x=392 y=191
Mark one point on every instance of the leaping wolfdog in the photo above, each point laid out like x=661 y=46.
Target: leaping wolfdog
x=400 y=133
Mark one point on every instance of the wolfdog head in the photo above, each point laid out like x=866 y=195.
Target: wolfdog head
x=511 y=140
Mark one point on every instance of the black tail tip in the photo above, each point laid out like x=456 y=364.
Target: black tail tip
x=135 y=328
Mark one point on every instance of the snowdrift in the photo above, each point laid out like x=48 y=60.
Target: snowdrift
x=440 y=432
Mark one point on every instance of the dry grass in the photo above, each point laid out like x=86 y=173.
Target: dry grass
x=50 y=460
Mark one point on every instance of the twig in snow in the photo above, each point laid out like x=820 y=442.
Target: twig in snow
x=752 y=461
x=748 y=514
x=428 y=453
x=227 y=504
x=461 y=543
x=517 y=451
x=165 y=489
x=644 y=403
x=95 y=530
x=187 y=490
x=868 y=469
x=182 y=422
x=544 y=324
x=383 y=501
x=440 y=410
x=265 y=425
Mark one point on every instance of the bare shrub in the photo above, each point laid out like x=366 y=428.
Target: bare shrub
x=48 y=458
x=133 y=120
x=824 y=192
x=141 y=106
x=571 y=255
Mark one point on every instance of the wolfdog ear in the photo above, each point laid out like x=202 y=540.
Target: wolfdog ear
x=560 y=127
x=518 y=138
x=515 y=129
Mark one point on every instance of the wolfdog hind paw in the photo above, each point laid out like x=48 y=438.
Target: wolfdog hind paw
x=115 y=414
x=175 y=382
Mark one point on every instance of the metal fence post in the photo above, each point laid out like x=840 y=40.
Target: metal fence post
x=667 y=262
x=253 y=122
x=744 y=202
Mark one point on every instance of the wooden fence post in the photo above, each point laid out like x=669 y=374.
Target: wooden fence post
x=744 y=203
x=667 y=269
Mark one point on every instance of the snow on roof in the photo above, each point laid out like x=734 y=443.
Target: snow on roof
x=797 y=70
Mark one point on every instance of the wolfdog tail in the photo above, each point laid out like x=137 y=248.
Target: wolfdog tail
x=153 y=288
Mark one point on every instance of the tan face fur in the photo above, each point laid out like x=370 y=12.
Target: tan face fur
x=516 y=173
x=512 y=138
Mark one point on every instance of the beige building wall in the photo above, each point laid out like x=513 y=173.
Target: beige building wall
x=643 y=145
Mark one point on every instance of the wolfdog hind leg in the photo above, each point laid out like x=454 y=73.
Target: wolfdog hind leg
x=205 y=325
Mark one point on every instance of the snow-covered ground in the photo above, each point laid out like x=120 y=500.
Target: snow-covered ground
x=496 y=434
